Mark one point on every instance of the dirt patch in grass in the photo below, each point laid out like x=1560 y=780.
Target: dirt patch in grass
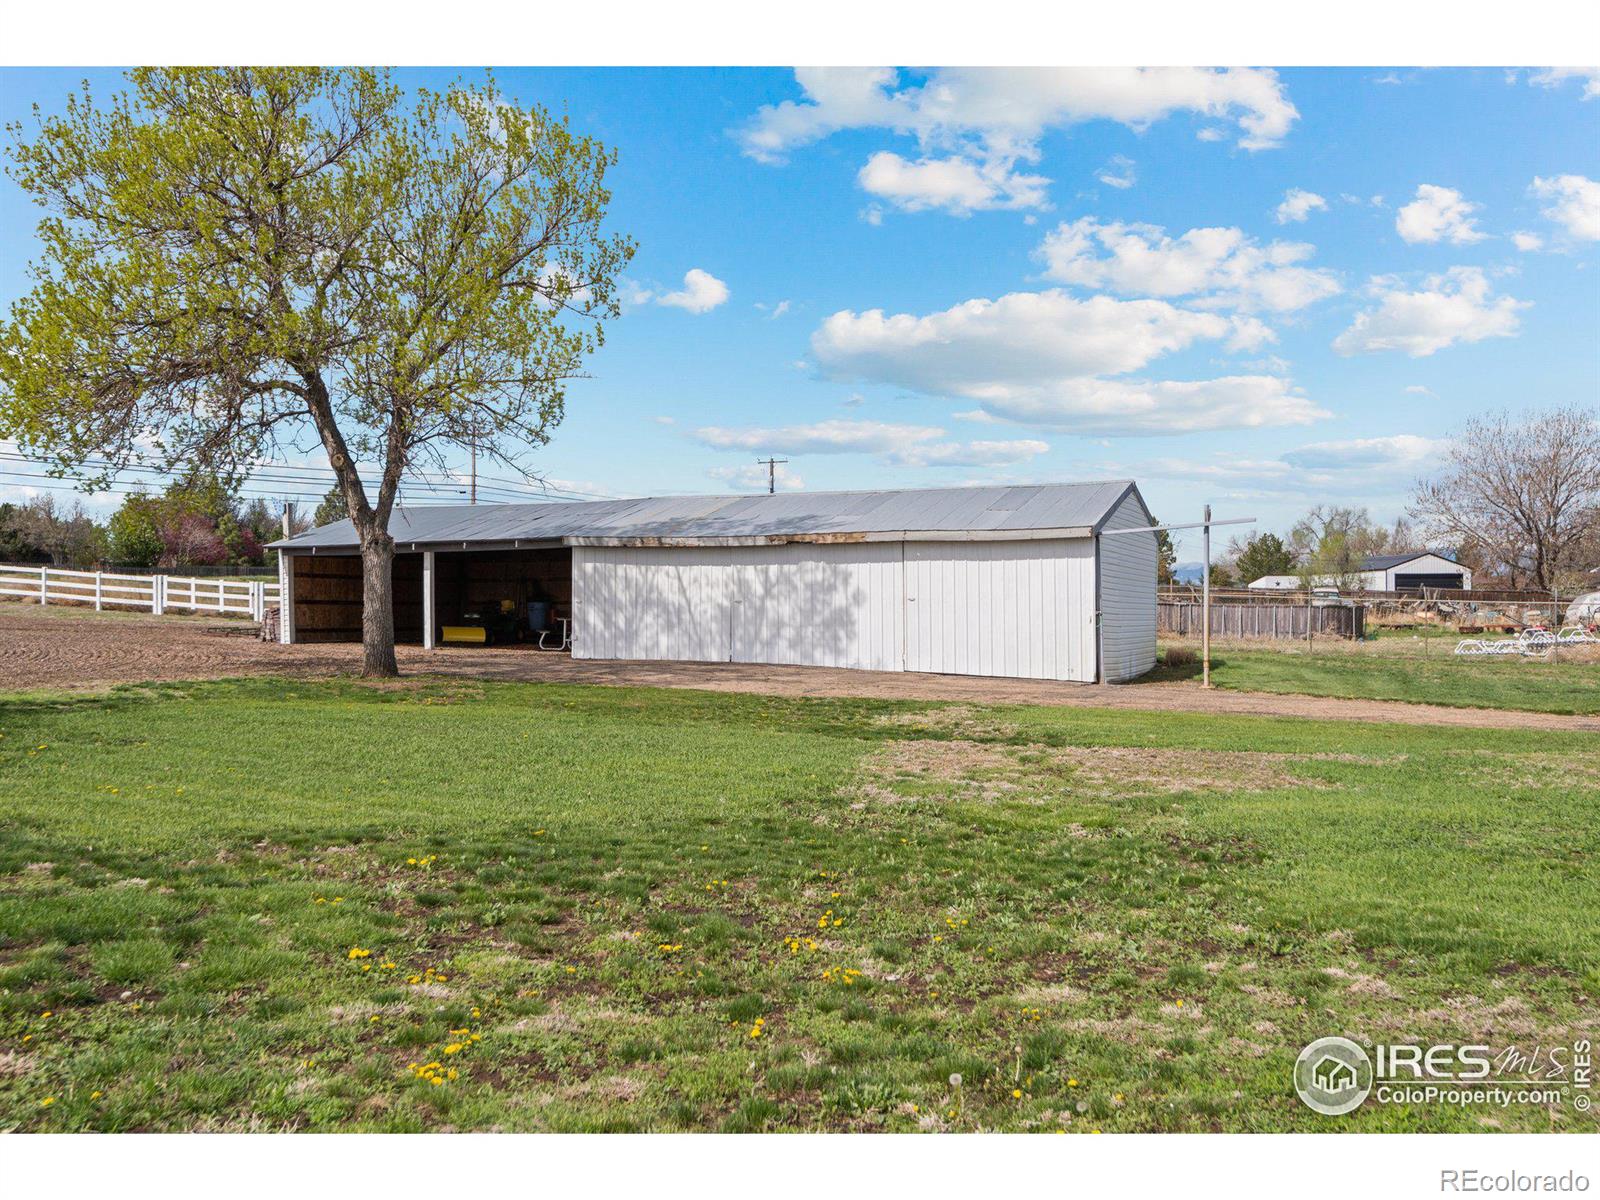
x=1032 y=772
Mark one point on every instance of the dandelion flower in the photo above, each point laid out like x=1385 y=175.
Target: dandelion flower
x=47 y=1102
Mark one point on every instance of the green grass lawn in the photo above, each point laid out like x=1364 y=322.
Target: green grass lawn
x=269 y=905
x=1397 y=668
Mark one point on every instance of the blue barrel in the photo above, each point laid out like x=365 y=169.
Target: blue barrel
x=538 y=615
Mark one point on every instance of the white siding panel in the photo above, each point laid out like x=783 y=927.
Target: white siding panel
x=819 y=605
x=1021 y=609
x=644 y=603
x=1128 y=593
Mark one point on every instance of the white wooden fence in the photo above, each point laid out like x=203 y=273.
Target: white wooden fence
x=156 y=593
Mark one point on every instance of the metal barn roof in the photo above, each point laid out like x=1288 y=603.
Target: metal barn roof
x=1040 y=510
x=1383 y=562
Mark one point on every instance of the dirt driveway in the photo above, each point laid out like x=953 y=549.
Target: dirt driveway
x=78 y=649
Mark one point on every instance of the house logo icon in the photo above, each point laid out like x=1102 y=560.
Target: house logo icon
x=1333 y=1076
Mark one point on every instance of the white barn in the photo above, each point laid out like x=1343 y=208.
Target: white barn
x=1005 y=581
x=1388 y=573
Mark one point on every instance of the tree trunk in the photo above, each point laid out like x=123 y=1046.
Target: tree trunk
x=377 y=606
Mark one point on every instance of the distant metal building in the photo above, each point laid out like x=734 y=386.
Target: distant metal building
x=1387 y=573
x=1008 y=581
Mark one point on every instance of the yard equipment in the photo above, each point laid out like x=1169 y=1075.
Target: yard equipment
x=468 y=634
x=1528 y=643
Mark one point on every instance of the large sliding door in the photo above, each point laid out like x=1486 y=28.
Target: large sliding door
x=1023 y=609
x=819 y=605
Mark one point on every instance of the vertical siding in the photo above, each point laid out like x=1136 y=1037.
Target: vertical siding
x=819 y=605
x=834 y=606
x=1021 y=609
x=1128 y=593
x=651 y=603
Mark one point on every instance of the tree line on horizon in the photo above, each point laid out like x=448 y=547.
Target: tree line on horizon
x=196 y=521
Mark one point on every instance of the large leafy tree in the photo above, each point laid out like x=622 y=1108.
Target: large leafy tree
x=1264 y=554
x=235 y=261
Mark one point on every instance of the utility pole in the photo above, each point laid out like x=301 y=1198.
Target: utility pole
x=472 y=495
x=1205 y=605
x=772 y=472
x=1205 y=579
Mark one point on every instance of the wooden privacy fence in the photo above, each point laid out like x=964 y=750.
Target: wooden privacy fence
x=156 y=593
x=1263 y=620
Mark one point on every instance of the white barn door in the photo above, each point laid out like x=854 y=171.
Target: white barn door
x=819 y=605
x=1023 y=609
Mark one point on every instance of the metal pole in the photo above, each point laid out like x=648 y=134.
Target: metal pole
x=772 y=473
x=473 y=496
x=1205 y=605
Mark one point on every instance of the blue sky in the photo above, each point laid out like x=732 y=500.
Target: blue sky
x=1259 y=289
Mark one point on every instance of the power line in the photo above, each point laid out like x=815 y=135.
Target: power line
x=255 y=486
x=419 y=481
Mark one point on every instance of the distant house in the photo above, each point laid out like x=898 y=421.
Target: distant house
x=1389 y=573
x=1422 y=569
x=1276 y=583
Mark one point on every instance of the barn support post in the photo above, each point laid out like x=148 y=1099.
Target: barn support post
x=99 y=591
x=285 y=597
x=427 y=600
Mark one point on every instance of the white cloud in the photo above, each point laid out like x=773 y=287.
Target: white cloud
x=1527 y=242
x=1298 y=204
x=665 y=420
x=1118 y=173
x=1007 y=109
x=1451 y=308
x=1212 y=134
x=773 y=311
x=1023 y=338
x=1438 y=214
x=822 y=437
x=1550 y=77
x=1359 y=467
x=969 y=454
x=753 y=478
x=1038 y=358
x=1575 y=204
x=1399 y=451
x=959 y=186
x=895 y=444
x=702 y=291
x=1417 y=389
x=1137 y=407
x=975 y=125
x=1223 y=265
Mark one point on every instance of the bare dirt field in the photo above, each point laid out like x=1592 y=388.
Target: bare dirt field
x=70 y=648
